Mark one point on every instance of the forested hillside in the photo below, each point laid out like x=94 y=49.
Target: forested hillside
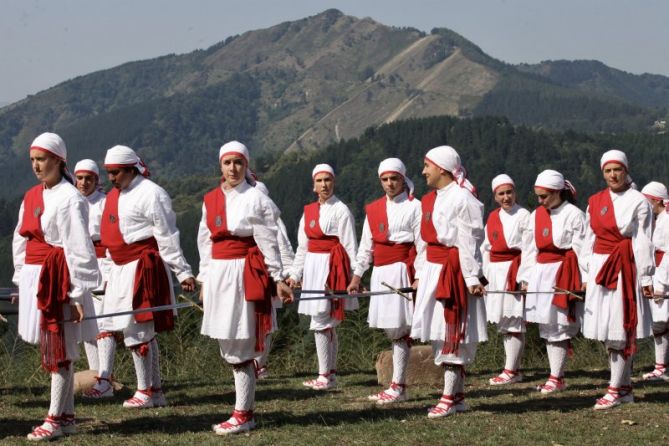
x=488 y=146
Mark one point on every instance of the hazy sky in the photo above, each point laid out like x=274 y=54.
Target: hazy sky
x=45 y=42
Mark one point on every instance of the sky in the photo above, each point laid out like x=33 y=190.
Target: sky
x=45 y=42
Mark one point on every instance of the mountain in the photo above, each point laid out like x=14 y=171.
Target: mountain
x=297 y=87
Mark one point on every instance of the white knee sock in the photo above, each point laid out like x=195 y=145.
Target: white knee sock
x=513 y=348
x=334 y=348
x=452 y=377
x=91 y=348
x=323 y=351
x=662 y=349
x=618 y=366
x=60 y=384
x=156 y=381
x=141 y=356
x=245 y=386
x=557 y=357
x=401 y=353
x=106 y=351
x=69 y=399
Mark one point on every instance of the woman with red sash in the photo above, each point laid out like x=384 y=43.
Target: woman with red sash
x=87 y=181
x=620 y=274
x=240 y=271
x=390 y=240
x=326 y=245
x=657 y=196
x=449 y=310
x=55 y=269
x=501 y=252
x=138 y=228
x=554 y=255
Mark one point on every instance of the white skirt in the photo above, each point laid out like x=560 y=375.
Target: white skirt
x=227 y=314
x=315 y=276
x=390 y=310
x=603 y=318
x=502 y=308
x=428 y=318
x=539 y=308
x=30 y=315
x=119 y=295
x=659 y=310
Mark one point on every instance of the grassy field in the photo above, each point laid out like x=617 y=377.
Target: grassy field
x=200 y=393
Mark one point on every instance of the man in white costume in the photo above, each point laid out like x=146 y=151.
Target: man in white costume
x=657 y=196
x=449 y=309
x=139 y=230
x=326 y=244
x=390 y=241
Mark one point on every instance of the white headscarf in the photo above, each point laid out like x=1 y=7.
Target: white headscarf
x=322 y=168
x=87 y=166
x=618 y=157
x=656 y=191
x=237 y=148
x=395 y=165
x=123 y=156
x=502 y=180
x=445 y=157
x=553 y=180
x=51 y=143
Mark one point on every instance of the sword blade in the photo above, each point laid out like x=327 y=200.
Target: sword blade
x=140 y=311
x=525 y=292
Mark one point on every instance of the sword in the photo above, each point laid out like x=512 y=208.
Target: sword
x=571 y=293
x=7 y=294
x=525 y=292
x=132 y=312
x=398 y=291
x=188 y=299
x=344 y=292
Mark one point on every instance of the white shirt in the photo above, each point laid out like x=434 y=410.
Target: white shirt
x=458 y=219
x=403 y=227
x=634 y=219
x=145 y=211
x=64 y=224
x=334 y=219
x=569 y=232
x=249 y=212
x=515 y=223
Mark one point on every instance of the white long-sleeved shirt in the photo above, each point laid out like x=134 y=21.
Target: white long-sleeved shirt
x=64 y=223
x=96 y=205
x=403 y=227
x=458 y=219
x=515 y=222
x=144 y=211
x=249 y=212
x=661 y=243
x=334 y=219
x=568 y=231
x=634 y=219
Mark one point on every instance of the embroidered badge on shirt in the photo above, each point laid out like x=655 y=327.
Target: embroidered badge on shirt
x=382 y=227
x=495 y=235
x=112 y=218
x=546 y=232
x=37 y=211
x=219 y=221
x=604 y=210
x=428 y=215
x=312 y=224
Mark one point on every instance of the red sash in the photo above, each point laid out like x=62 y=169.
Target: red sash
x=609 y=240
x=451 y=288
x=568 y=276
x=54 y=280
x=500 y=251
x=340 y=265
x=258 y=285
x=384 y=251
x=659 y=255
x=152 y=285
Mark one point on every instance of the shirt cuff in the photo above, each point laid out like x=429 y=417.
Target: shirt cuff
x=472 y=281
x=184 y=275
x=646 y=280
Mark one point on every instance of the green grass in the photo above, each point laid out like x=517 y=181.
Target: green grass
x=200 y=393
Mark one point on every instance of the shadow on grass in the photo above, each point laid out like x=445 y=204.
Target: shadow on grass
x=16 y=428
x=12 y=389
x=546 y=404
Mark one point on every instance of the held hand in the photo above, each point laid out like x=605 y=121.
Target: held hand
x=77 y=313
x=523 y=286
x=285 y=292
x=477 y=290
x=292 y=283
x=189 y=284
x=354 y=286
x=648 y=291
x=13 y=298
x=414 y=285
